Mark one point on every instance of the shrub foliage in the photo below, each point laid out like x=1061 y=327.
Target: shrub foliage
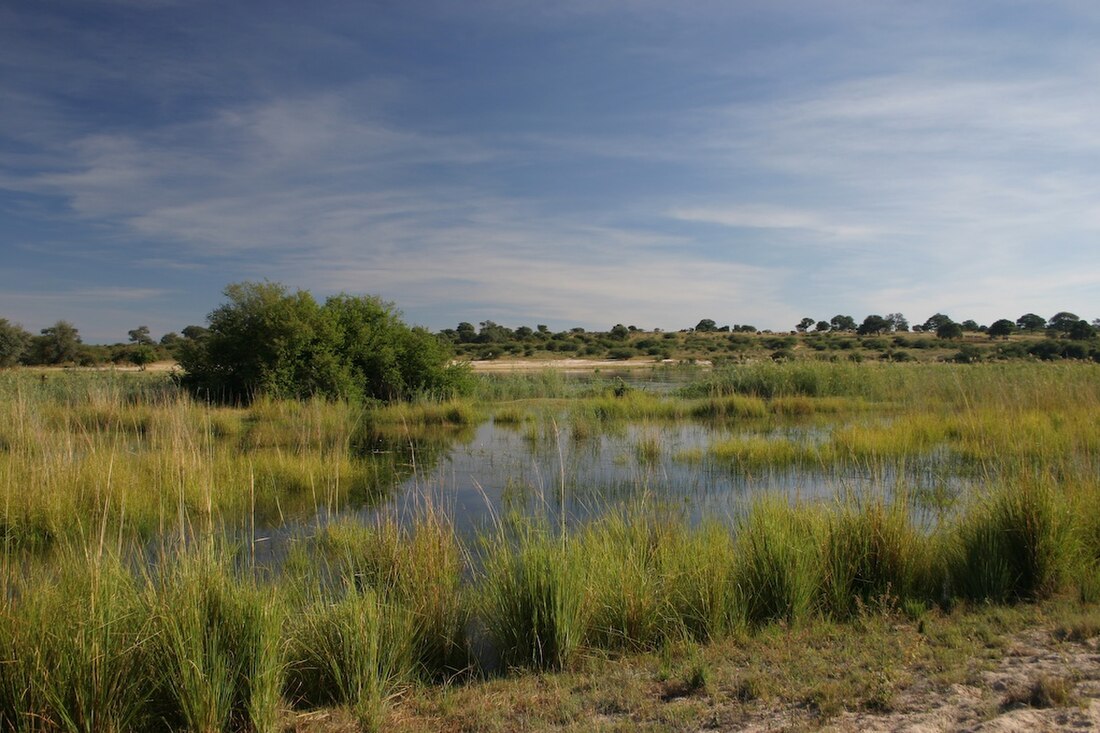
x=267 y=340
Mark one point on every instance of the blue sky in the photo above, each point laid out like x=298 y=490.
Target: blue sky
x=567 y=163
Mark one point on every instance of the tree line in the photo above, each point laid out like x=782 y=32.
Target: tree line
x=266 y=338
x=1061 y=324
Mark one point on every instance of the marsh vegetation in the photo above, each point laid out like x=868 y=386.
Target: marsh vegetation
x=173 y=562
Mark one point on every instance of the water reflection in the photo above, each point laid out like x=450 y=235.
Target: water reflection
x=545 y=466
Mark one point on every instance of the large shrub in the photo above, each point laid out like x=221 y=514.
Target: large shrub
x=267 y=340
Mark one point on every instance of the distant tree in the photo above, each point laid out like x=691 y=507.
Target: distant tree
x=706 y=325
x=493 y=333
x=804 y=325
x=542 y=329
x=14 y=342
x=1081 y=330
x=1031 y=322
x=934 y=322
x=58 y=344
x=170 y=339
x=822 y=326
x=524 y=332
x=873 y=325
x=970 y=325
x=140 y=335
x=743 y=328
x=193 y=333
x=1063 y=322
x=141 y=355
x=467 y=334
x=1002 y=328
x=949 y=330
x=843 y=323
x=897 y=322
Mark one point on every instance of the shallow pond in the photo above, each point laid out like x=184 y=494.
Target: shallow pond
x=546 y=466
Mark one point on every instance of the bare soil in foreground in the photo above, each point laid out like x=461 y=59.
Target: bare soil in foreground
x=1014 y=669
x=1040 y=684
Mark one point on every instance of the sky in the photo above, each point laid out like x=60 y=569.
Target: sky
x=569 y=163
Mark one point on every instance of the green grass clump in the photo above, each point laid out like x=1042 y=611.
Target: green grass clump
x=754 y=451
x=778 y=569
x=1015 y=543
x=730 y=406
x=75 y=650
x=702 y=586
x=632 y=405
x=509 y=416
x=355 y=651
x=217 y=644
x=874 y=557
x=531 y=597
x=626 y=561
x=419 y=569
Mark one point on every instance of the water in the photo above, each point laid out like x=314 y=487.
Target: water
x=541 y=467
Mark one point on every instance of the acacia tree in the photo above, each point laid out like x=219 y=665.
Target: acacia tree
x=140 y=335
x=897 y=321
x=1031 y=322
x=874 y=325
x=949 y=330
x=1001 y=327
x=843 y=323
x=57 y=344
x=936 y=321
x=804 y=325
x=1063 y=322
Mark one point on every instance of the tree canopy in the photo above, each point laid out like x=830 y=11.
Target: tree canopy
x=268 y=340
x=14 y=341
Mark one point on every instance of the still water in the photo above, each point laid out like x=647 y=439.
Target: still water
x=547 y=467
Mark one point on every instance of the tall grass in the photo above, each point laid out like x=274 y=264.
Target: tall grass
x=76 y=650
x=1015 y=543
x=95 y=639
x=218 y=643
x=874 y=556
x=531 y=597
x=778 y=562
x=352 y=651
x=419 y=569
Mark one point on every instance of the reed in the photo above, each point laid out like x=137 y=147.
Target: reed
x=875 y=558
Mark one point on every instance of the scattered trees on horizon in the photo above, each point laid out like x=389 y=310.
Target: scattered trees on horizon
x=61 y=343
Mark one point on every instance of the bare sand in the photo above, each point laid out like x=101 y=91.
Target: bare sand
x=569 y=365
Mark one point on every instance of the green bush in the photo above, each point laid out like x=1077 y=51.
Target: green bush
x=268 y=341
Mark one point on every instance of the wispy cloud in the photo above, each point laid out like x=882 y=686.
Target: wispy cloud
x=774 y=217
x=579 y=162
